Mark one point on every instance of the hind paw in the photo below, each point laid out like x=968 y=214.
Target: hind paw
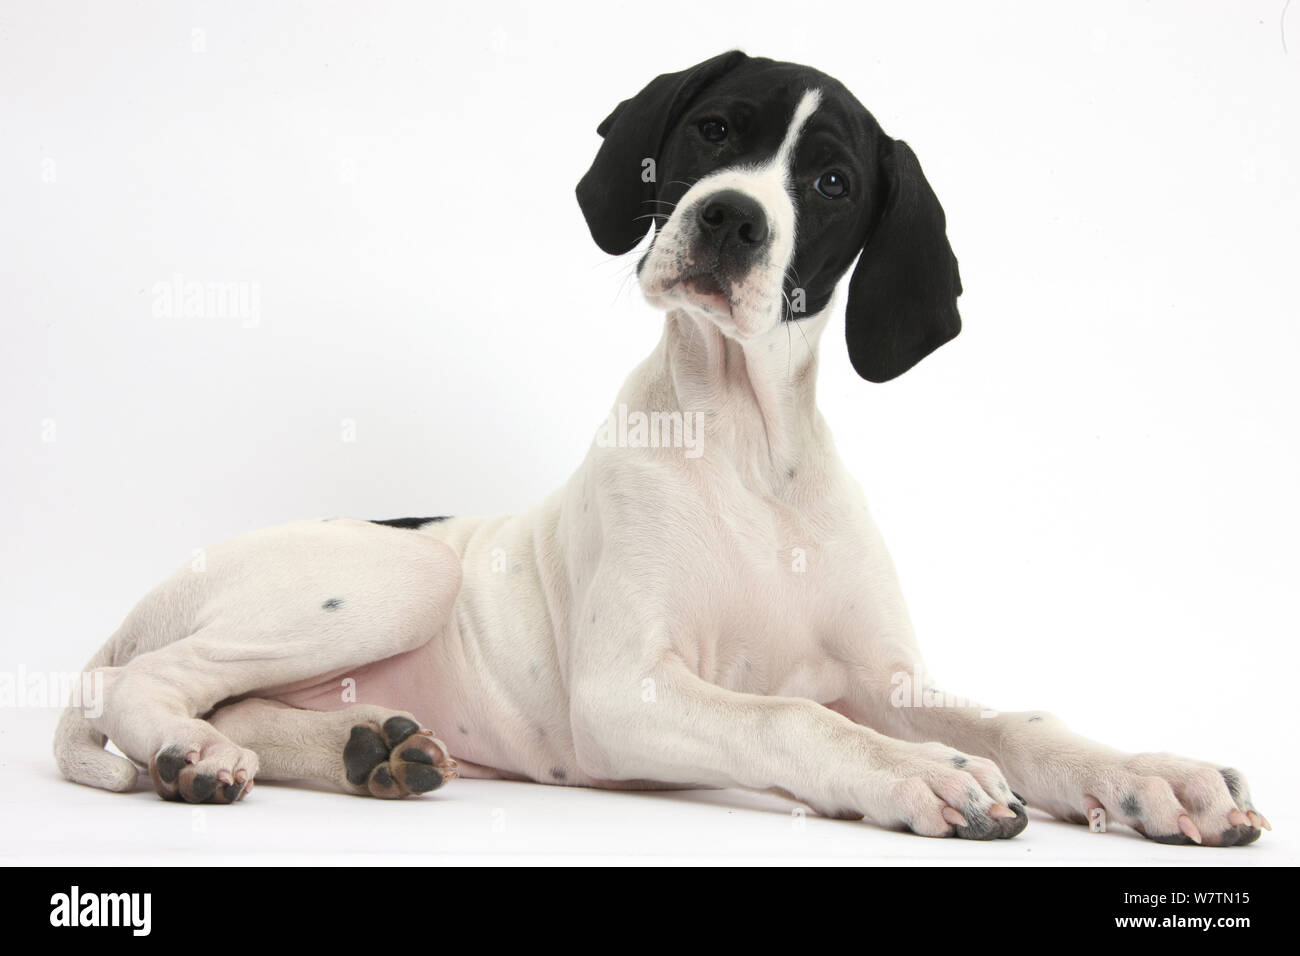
x=396 y=759
x=221 y=773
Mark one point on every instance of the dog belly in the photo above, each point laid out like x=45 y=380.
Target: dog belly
x=489 y=741
x=402 y=682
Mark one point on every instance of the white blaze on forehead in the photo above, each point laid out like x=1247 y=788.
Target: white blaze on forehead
x=808 y=104
x=755 y=299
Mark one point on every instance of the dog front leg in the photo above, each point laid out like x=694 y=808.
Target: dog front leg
x=667 y=725
x=1168 y=799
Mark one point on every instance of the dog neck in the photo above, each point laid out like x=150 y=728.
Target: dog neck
x=757 y=398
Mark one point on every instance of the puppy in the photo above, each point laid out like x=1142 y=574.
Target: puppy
x=706 y=602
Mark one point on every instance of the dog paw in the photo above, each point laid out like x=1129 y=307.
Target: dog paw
x=939 y=792
x=396 y=759
x=1171 y=799
x=216 y=772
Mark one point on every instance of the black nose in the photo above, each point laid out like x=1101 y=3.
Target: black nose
x=734 y=218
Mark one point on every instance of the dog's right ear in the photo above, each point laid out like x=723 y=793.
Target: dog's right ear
x=616 y=193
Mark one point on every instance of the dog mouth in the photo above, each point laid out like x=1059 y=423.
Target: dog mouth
x=706 y=290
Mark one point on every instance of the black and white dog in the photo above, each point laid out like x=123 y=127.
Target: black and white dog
x=722 y=614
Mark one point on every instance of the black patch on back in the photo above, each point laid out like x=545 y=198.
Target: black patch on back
x=333 y=604
x=409 y=522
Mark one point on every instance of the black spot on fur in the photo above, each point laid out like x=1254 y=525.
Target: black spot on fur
x=409 y=522
x=958 y=760
x=462 y=729
x=1034 y=718
x=364 y=751
x=397 y=729
x=333 y=604
x=1130 y=807
x=1233 y=780
x=1174 y=839
x=558 y=773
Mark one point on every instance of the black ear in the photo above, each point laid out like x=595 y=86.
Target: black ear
x=614 y=195
x=903 y=294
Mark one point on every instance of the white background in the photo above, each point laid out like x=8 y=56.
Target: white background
x=1091 y=493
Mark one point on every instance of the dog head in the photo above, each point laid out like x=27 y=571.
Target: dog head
x=765 y=180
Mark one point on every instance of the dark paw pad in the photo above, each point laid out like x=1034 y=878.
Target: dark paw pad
x=175 y=778
x=170 y=763
x=983 y=827
x=397 y=729
x=198 y=787
x=1238 y=836
x=364 y=751
x=396 y=760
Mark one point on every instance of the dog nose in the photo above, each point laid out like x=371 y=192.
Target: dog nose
x=734 y=217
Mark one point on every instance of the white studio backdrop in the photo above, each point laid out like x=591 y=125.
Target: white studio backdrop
x=1091 y=493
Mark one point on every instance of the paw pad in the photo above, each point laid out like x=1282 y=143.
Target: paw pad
x=179 y=774
x=396 y=760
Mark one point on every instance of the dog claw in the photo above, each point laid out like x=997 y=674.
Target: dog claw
x=1189 y=828
x=953 y=817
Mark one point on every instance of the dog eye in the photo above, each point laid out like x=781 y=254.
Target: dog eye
x=832 y=185
x=714 y=130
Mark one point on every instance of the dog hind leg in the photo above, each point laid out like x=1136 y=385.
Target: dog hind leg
x=271 y=609
x=362 y=749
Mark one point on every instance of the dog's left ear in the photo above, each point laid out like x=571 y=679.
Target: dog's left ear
x=903 y=294
x=616 y=192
